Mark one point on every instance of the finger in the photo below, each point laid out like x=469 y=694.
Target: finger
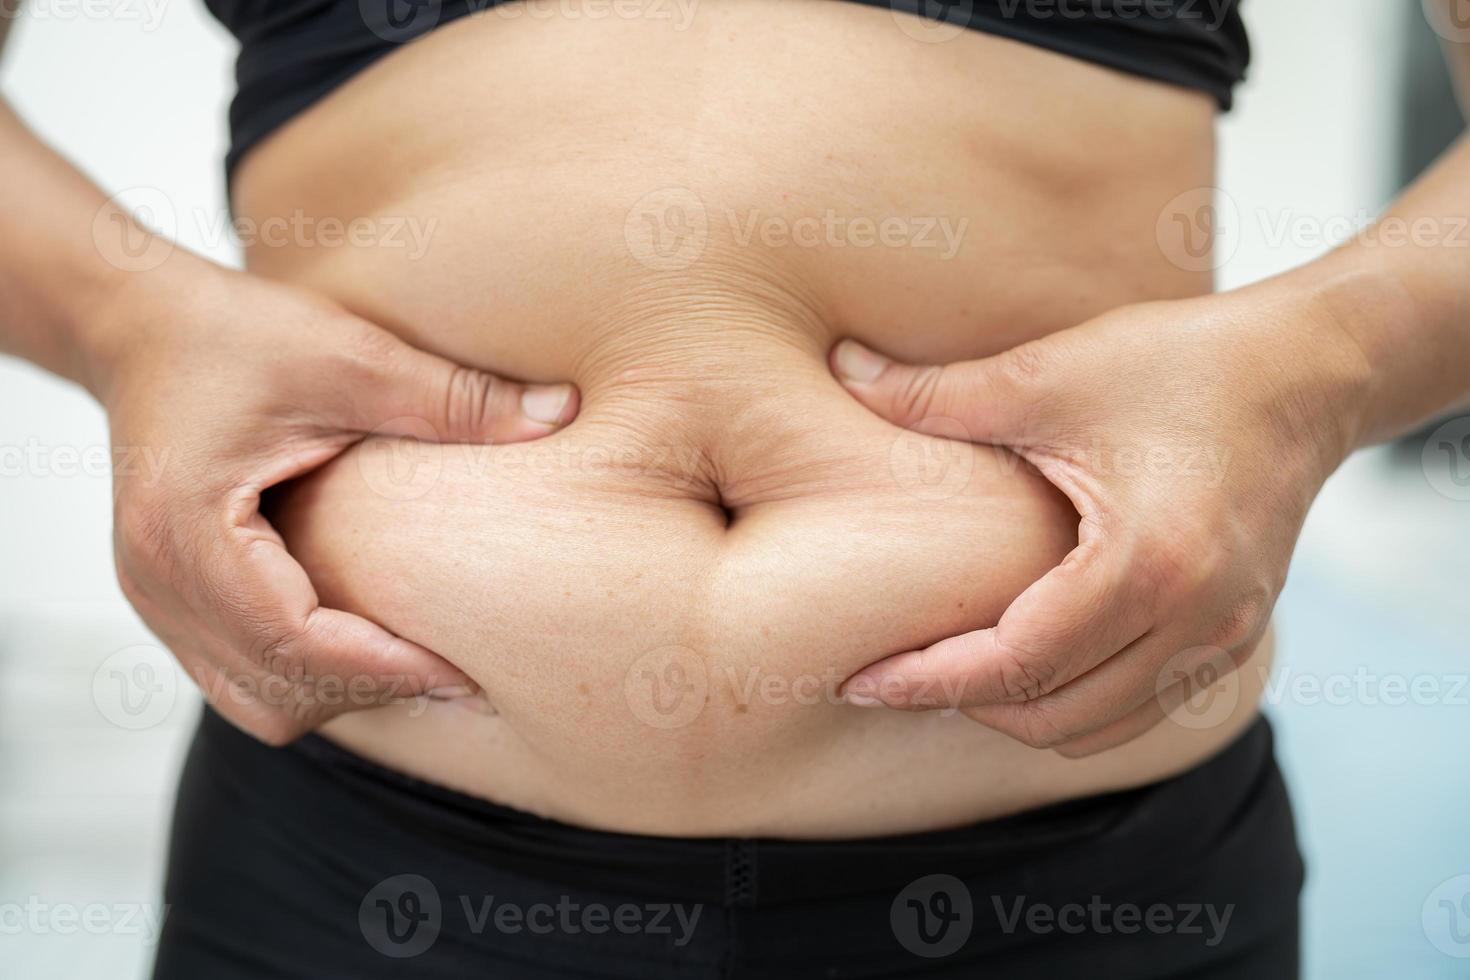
x=344 y=649
x=1140 y=721
x=416 y=394
x=309 y=663
x=1069 y=621
x=1114 y=689
x=991 y=398
x=1198 y=687
x=294 y=636
x=280 y=703
x=248 y=699
x=256 y=702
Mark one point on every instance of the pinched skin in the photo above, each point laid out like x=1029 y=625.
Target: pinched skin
x=682 y=218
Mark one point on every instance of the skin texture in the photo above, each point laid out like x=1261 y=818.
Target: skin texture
x=1284 y=378
x=661 y=601
x=233 y=384
x=214 y=580
x=1165 y=564
x=1067 y=166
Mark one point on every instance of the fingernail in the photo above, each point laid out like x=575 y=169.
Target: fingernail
x=450 y=693
x=855 y=362
x=544 y=403
x=863 y=701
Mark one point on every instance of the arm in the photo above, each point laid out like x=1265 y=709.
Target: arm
x=49 y=270
x=1405 y=304
x=234 y=384
x=1178 y=564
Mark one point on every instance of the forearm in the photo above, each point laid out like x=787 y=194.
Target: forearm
x=1400 y=292
x=66 y=254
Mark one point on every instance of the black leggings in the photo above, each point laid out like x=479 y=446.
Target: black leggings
x=312 y=862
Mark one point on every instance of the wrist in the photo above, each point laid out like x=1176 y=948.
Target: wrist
x=1405 y=313
x=136 y=311
x=1311 y=380
x=1339 y=307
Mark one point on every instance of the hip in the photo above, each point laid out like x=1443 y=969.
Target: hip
x=338 y=867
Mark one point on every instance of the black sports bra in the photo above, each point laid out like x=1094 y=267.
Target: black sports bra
x=293 y=52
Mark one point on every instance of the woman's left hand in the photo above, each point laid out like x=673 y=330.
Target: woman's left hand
x=1191 y=436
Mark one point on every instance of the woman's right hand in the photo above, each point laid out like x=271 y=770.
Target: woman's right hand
x=235 y=384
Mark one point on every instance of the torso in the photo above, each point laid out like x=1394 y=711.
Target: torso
x=681 y=219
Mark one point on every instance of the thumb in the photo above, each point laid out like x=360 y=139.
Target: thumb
x=987 y=397
x=459 y=404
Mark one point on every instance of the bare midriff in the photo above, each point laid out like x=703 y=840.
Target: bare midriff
x=681 y=213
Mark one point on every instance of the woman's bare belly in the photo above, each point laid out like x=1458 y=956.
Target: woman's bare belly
x=661 y=600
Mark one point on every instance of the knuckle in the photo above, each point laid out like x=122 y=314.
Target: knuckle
x=1024 y=679
x=469 y=399
x=277 y=730
x=282 y=654
x=143 y=530
x=1242 y=619
x=1023 y=366
x=303 y=707
x=1181 y=565
x=918 y=394
x=377 y=352
x=1037 y=725
x=148 y=549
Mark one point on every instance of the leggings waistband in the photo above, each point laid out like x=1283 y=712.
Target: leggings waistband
x=311 y=863
x=1181 y=817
